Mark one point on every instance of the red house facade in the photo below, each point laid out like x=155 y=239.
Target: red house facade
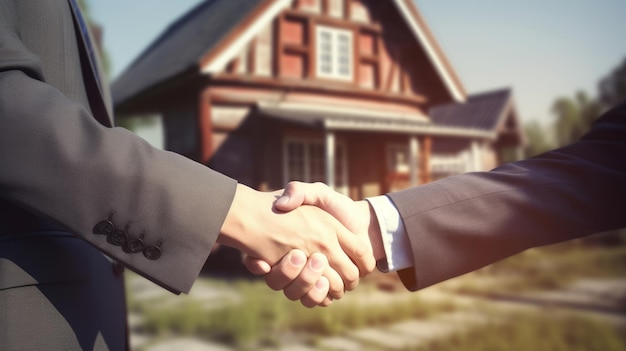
x=353 y=93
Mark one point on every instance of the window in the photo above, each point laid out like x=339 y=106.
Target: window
x=305 y=160
x=398 y=158
x=334 y=53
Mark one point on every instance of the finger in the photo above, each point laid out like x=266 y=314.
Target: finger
x=336 y=289
x=286 y=270
x=341 y=263
x=305 y=282
x=358 y=251
x=317 y=295
x=327 y=302
x=256 y=266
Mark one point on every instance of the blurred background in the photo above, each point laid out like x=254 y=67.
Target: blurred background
x=370 y=97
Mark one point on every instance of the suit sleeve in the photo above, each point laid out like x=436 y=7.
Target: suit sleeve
x=57 y=161
x=464 y=222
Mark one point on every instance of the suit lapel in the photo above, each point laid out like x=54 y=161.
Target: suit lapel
x=97 y=88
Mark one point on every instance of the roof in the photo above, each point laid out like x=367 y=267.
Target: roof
x=427 y=40
x=356 y=119
x=180 y=47
x=197 y=35
x=481 y=111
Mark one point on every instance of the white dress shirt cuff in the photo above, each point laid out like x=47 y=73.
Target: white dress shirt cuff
x=394 y=236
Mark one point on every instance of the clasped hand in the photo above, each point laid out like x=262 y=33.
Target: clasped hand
x=308 y=240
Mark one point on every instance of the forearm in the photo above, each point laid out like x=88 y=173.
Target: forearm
x=60 y=163
x=465 y=222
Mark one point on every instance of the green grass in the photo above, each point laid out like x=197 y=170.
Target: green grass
x=263 y=317
x=537 y=333
x=547 y=268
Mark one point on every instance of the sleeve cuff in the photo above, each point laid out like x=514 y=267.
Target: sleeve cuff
x=393 y=234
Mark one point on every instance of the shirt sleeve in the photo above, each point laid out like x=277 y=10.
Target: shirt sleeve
x=394 y=236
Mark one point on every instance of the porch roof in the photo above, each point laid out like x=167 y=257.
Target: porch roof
x=355 y=119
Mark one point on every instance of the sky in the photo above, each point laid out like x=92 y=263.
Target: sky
x=542 y=49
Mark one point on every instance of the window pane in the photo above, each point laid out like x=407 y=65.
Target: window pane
x=334 y=54
x=295 y=161
x=317 y=162
x=339 y=171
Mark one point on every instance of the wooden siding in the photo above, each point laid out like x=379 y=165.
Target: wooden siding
x=386 y=56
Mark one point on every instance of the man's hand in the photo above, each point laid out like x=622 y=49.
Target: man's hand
x=257 y=229
x=301 y=279
x=356 y=216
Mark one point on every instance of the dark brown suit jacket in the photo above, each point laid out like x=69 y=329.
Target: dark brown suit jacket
x=462 y=223
x=61 y=160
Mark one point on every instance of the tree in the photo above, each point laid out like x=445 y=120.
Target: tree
x=613 y=88
x=574 y=117
x=568 y=125
x=538 y=141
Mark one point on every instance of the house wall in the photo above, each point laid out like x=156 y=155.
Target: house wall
x=366 y=164
x=387 y=59
x=391 y=72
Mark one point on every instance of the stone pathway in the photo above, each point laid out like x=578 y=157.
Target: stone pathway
x=596 y=298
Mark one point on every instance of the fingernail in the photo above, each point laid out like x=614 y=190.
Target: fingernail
x=297 y=258
x=282 y=200
x=320 y=285
x=316 y=263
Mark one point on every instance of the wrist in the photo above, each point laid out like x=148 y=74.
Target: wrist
x=373 y=229
x=234 y=226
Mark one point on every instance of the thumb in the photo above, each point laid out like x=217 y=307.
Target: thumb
x=292 y=197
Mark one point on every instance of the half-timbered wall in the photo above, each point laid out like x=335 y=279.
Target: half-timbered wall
x=384 y=55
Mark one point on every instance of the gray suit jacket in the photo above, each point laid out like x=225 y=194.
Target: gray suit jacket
x=60 y=158
x=462 y=223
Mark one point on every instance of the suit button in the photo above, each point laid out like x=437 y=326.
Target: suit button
x=105 y=227
x=152 y=252
x=133 y=246
x=118 y=237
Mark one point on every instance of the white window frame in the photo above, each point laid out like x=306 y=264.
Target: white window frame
x=341 y=180
x=335 y=64
x=392 y=166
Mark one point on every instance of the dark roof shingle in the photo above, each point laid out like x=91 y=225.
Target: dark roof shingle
x=181 y=46
x=480 y=111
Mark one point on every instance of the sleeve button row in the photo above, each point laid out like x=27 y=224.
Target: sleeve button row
x=119 y=237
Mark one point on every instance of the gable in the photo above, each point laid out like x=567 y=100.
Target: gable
x=218 y=34
x=178 y=49
x=366 y=17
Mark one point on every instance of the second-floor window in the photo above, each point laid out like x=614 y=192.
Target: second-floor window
x=334 y=53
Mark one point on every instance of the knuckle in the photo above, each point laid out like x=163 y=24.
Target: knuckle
x=351 y=278
x=291 y=296
x=306 y=302
x=360 y=252
x=274 y=285
x=336 y=292
x=293 y=185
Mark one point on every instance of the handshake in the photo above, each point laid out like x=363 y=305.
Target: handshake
x=308 y=240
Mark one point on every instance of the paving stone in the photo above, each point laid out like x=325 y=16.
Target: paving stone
x=137 y=341
x=386 y=339
x=340 y=344
x=188 y=344
x=414 y=332
x=296 y=348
